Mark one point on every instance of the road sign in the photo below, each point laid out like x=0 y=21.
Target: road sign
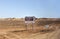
x=29 y=19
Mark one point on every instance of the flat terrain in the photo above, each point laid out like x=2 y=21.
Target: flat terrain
x=30 y=35
x=17 y=29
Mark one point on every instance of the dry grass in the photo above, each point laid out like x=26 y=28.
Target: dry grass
x=17 y=29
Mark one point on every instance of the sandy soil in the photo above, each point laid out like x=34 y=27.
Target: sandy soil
x=18 y=30
x=30 y=35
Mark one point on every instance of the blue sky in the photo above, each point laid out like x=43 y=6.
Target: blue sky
x=22 y=8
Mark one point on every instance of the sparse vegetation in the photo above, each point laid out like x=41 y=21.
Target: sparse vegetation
x=16 y=29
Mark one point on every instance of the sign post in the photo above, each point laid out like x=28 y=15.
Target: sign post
x=29 y=20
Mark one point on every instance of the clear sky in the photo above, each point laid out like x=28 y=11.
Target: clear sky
x=22 y=8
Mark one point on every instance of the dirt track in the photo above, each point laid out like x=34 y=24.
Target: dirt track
x=30 y=35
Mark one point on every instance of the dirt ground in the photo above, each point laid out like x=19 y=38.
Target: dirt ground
x=30 y=35
x=10 y=29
